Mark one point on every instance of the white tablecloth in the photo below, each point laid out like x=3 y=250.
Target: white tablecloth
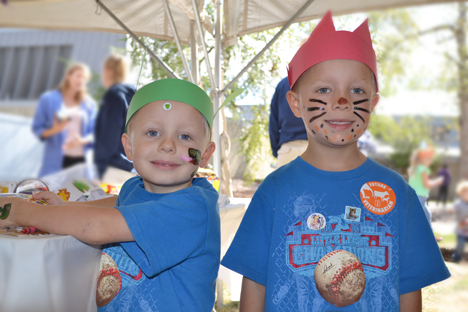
x=47 y=273
x=231 y=217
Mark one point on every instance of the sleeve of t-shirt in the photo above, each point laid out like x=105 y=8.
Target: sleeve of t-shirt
x=41 y=120
x=248 y=253
x=421 y=263
x=167 y=231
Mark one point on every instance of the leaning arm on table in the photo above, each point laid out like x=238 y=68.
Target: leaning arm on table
x=53 y=199
x=90 y=224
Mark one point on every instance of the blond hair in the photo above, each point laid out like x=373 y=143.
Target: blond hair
x=65 y=85
x=462 y=186
x=118 y=65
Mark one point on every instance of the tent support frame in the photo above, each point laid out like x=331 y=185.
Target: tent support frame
x=135 y=37
x=269 y=44
x=215 y=79
x=177 y=40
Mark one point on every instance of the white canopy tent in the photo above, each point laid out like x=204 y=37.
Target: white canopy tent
x=183 y=21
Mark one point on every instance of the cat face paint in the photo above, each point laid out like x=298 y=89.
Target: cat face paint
x=336 y=98
x=194 y=156
x=338 y=131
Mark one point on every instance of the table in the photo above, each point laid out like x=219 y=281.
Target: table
x=231 y=216
x=48 y=273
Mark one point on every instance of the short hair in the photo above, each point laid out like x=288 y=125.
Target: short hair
x=64 y=84
x=118 y=66
x=462 y=186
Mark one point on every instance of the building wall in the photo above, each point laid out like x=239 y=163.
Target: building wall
x=33 y=61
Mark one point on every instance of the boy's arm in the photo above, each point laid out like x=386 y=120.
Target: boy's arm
x=411 y=302
x=91 y=224
x=252 y=296
x=53 y=199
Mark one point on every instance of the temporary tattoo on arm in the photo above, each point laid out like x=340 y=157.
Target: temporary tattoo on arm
x=195 y=155
x=5 y=211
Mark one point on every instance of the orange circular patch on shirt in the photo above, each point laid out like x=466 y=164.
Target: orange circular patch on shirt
x=378 y=197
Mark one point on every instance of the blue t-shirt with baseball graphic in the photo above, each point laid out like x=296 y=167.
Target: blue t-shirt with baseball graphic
x=335 y=241
x=173 y=263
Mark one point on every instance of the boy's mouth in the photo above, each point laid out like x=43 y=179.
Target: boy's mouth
x=165 y=165
x=339 y=124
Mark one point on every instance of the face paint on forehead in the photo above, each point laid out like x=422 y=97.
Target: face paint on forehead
x=167 y=106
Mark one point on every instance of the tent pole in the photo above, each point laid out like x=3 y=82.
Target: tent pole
x=286 y=26
x=217 y=95
x=194 y=54
x=134 y=37
x=177 y=40
x=214 y=86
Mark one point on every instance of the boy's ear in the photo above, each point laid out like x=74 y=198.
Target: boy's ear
x=127 y=144
x=207 y=154
x=375 y=101
x=294 y=103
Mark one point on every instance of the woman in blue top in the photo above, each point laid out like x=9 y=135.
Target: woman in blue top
x=64 y=119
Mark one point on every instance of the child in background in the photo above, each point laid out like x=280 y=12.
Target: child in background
x=461 y=214
x=163 y=238
x=333 y=230
x=419 y=180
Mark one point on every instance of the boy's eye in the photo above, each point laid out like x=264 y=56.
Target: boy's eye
x=323 y=90
x=153 y=133
x=184 y=137
x=357 y=91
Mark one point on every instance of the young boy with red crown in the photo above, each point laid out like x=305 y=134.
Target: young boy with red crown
x=334 y=230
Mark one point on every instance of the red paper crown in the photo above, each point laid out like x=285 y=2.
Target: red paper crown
x=325 y=43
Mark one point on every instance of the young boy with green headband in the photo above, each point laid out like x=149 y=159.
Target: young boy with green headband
x=163 y=237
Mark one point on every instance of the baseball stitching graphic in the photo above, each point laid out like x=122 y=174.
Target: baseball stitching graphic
x=340 y=278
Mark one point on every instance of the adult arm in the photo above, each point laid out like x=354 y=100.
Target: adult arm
x=88 y=223
x=411 y=302
x=43 y=126
x=252 y=296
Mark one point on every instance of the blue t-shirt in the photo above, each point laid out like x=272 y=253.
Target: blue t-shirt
x=173 y=263
x=301 y=215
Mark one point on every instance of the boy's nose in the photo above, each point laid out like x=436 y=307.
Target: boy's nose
x=342 y=104
x=167 y=145
x=342 y=101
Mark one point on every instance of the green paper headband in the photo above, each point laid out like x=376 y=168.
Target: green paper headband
x=172 y=90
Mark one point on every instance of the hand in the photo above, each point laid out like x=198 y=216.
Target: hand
x=75 y=142
x=7 y=211
x=50 y=197
x=59 y=125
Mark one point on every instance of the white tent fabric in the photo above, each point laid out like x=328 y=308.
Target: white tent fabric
x=148 y=18
x=143 y=17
